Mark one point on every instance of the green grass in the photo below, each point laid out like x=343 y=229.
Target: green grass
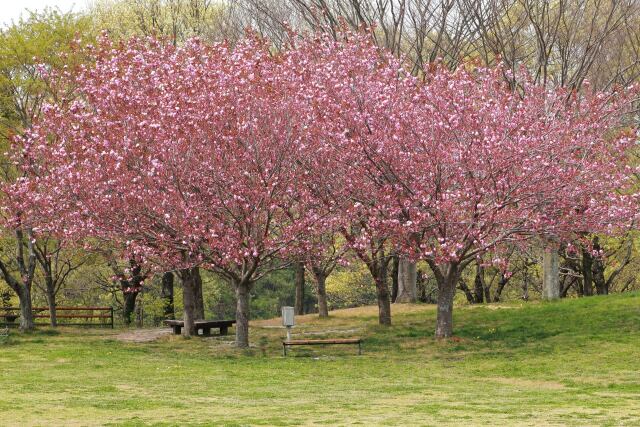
x=574 y=362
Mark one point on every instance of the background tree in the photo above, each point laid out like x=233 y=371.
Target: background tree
x=56 y=264
x=42 y=38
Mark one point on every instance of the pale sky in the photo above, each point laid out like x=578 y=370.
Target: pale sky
x=12 y=9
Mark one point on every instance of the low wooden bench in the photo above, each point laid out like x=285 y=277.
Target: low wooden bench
x=9 y=318
x=286 y=344
x=85 y=313
x=202 y=325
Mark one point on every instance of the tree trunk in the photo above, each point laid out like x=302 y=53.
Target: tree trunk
x=394 y=278
x=478 y=286
x=471 y=299
x=167 y=295
x=382 y=292
x=51 y=302
x=188 y=302
x=321 y=278
x=446 y=293
x=501 y=284
x=139 y=311
x=243 y=289
x=129 y=306
x=525 y=287
x=26 y=309
x=551 y=274
x=407 y=276
x=197 y=293
x=597 y=269
x=299 y=283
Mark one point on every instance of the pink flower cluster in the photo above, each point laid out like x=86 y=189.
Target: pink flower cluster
x=233 y=157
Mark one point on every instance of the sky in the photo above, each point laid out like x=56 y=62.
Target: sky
x=12 y=9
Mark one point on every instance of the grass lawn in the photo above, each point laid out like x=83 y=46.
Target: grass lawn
x=573 y=362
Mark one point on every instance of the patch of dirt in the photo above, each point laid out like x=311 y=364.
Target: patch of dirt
x=143 y=335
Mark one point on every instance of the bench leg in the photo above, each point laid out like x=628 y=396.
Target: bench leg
x=224 y=330
x=206 y=332
x=284 y=349
x=359 y=349
x=177 y=330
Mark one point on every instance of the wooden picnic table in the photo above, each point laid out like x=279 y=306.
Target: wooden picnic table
x=202 y=325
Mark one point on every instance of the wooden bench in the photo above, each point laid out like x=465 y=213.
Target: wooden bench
x=9 y=318
x=85 y=313
x=202 y=325
x=286 y=344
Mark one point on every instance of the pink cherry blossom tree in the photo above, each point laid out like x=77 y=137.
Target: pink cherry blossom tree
x=457 y=164
x=183 y=156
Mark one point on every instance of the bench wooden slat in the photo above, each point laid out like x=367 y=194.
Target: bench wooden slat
x=200 y=323
x=204 y=325
x=59 y=308
x=74 y=316
x=357 y=341
x=324 y=341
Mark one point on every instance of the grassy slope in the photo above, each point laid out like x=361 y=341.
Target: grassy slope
x=574 y=362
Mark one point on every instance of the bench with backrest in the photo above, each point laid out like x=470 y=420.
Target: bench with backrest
x=336 y=341
x=202 y=325
x=104 y=314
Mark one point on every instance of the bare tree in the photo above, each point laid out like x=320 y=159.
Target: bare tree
x=56 y=265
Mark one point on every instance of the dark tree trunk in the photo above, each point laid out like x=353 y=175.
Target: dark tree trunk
x=197 y=293
x=26 y=309
x=446 y=292
x=501 y=285
x=384 y=301
x=525 y=288
x=51 y=301
x=471 y=299
x=487 y=292
x=243 y=289
x=131 y=287
x=566 y=285
x=167 y=295
x=50 y=288
x=597 y=269
x=321 y=278
x=22 y=287
x=139 y=311
x=188 y=301
x=378 y=266
x=379 y=272
x=129 y=306
x=478 y=286
x=394 y=278
x=299 y=283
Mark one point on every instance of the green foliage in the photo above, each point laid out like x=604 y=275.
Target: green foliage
x=42 y=38
x=174 y=20
x=7 y=296
x=268 y=295
x=350 y=287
